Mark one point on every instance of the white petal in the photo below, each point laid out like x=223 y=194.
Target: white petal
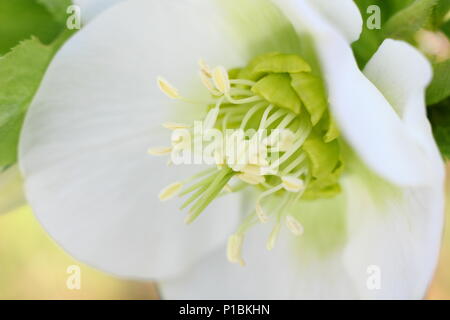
x=366 y=119
x=399 y=238
x=402 y=73
x=276 y=274
x=84 y=144
x=11 y=190
x=91 y=8
x=270 y=276
x=297 y=267
x=343 y=14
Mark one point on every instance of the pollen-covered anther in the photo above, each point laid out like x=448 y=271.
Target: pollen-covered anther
x=292 y=184
x=206 y=81
x=251 y=178
x=170 y=191
x=268 y=170
x=234 y=248
x=175 y=125
x=221 y=80
x=294 y=225
x=252 y=169
x=204 y=68
x=167 y=88
x=159 y=151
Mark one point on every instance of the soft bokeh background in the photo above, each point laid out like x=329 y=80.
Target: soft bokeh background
x=440 y=288
x=32 y=266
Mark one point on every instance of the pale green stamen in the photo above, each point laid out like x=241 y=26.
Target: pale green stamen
x=242 y=101
x=251 y=112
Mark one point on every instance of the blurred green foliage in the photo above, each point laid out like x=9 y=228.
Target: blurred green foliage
x=441 y=10
x=403 y=24
x=31 y=31
x=21 y=19
x=370 y=40
x=57 y=8
x=21 y=71
x=439 y=116
x=401 y=19
x=439 y=88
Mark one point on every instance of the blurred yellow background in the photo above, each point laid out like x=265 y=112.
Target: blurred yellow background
x=440 y=288
x=33 y=267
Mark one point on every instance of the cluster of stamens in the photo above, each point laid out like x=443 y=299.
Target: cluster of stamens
x=260 y=146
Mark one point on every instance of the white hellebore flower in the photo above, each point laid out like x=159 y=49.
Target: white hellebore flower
x=349 y=213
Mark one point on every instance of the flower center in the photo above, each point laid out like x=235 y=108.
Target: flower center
x=267 y=127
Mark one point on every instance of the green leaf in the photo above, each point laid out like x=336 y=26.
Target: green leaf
x=409 y=20
x=446 y=28
x=57 y=8
x=439 y=12
x=276 y=88
x=21 y=19
x=439 y=89
x=439 y=116
x=21 y=71
x=312 y=93
x=371 y=39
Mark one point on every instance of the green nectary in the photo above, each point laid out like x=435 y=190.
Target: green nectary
x=287 y=81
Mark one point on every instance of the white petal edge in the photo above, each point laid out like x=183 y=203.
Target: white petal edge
x=91 y=8
x=343 y=14
x=84 y=143
x=11 y=190
x=402 y=74
x=364 y=116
